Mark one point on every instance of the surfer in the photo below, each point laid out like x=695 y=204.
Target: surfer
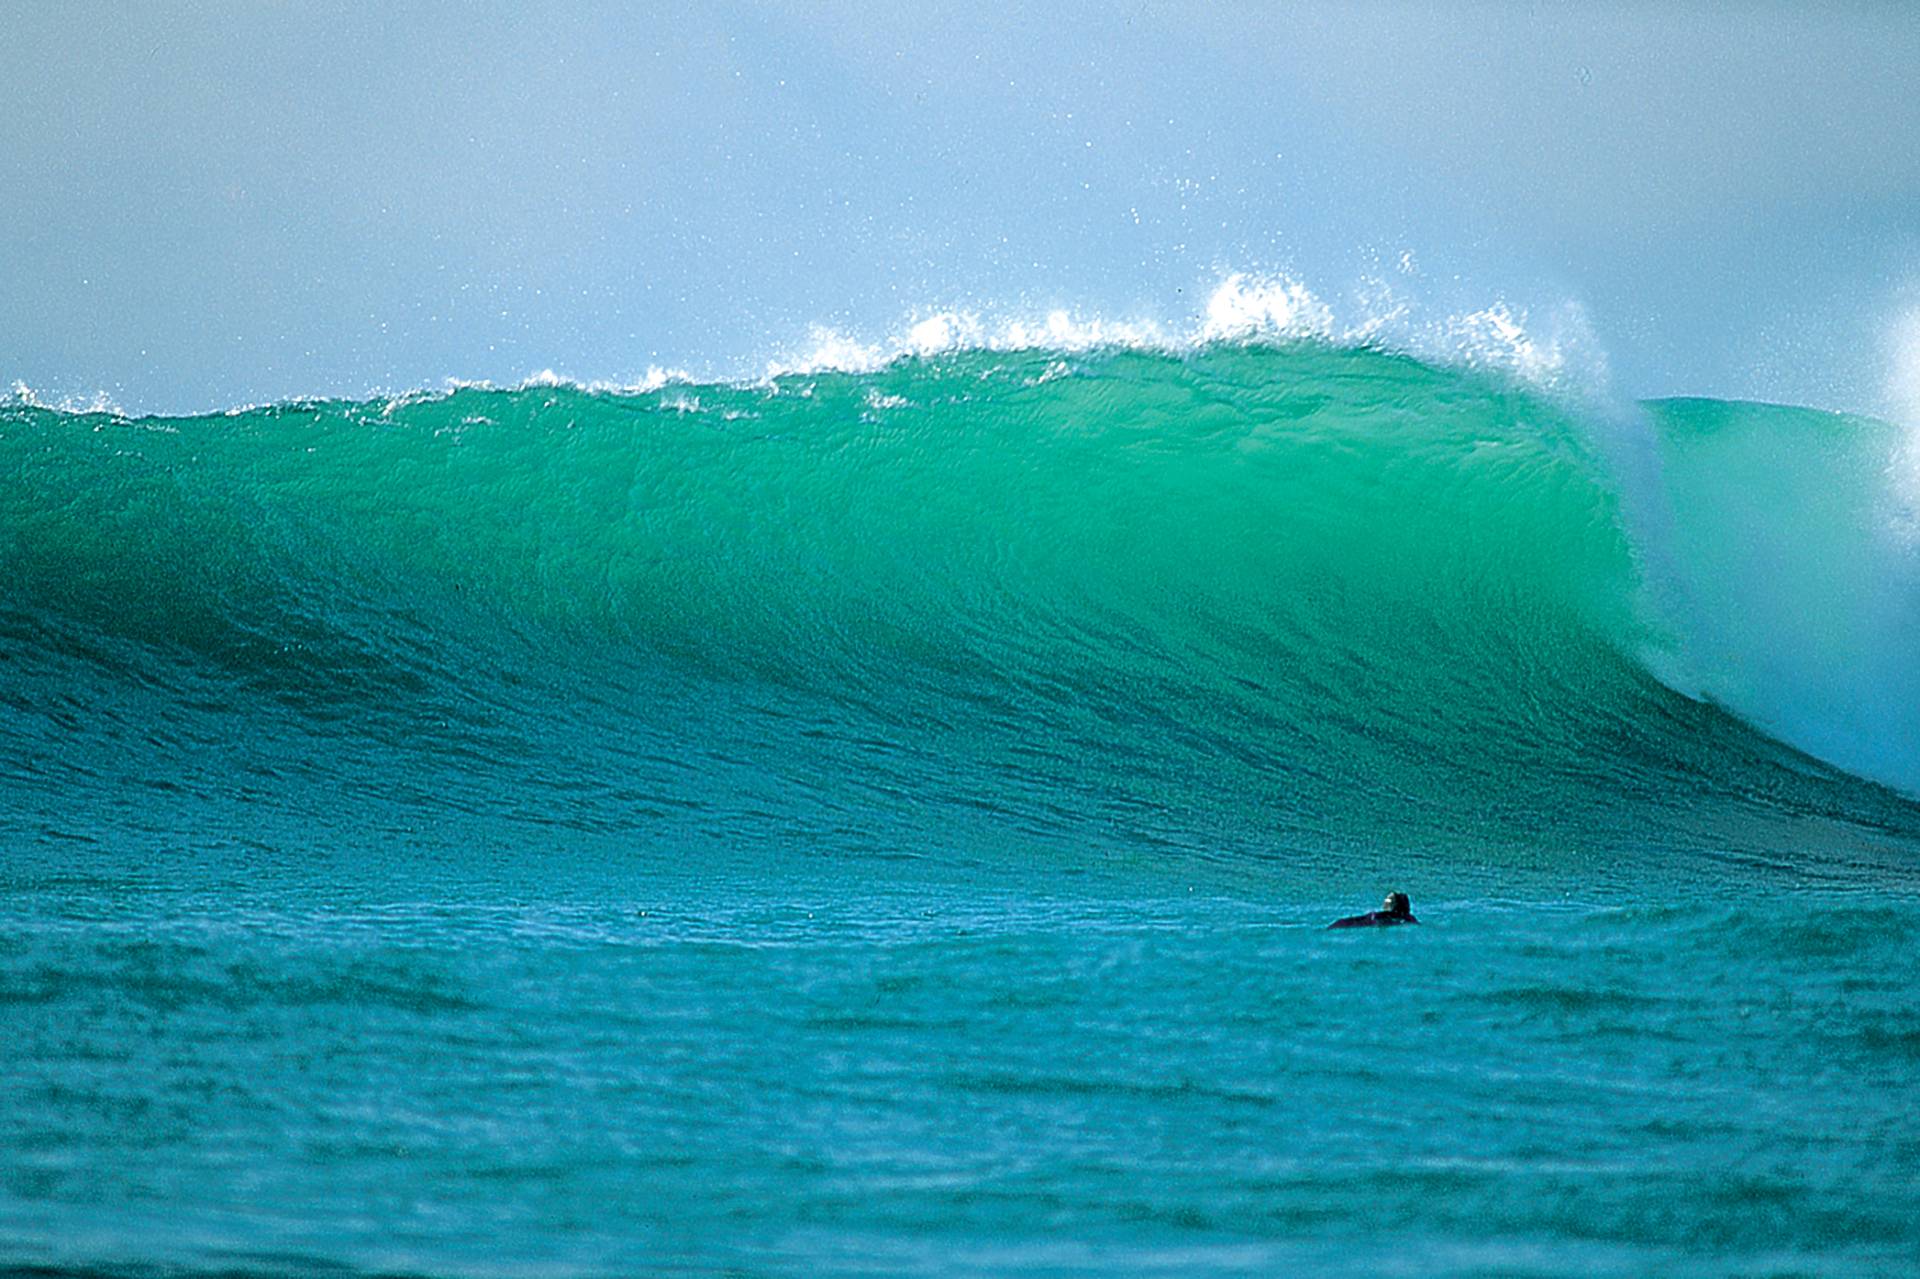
x=1395 y=910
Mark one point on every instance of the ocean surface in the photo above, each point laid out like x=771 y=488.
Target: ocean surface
x=884 y=821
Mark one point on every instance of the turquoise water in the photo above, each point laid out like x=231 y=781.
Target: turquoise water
x=885 y=822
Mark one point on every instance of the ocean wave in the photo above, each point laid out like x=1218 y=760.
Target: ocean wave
x=1321 y=582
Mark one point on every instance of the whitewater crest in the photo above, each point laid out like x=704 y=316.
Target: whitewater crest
x=547 y=379
x=98 y=402
x=1557 y=353
x=1242 y=308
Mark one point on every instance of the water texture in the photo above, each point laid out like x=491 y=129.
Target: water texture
x=883 y=821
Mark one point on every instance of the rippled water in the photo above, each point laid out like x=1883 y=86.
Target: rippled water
x=925 y=1080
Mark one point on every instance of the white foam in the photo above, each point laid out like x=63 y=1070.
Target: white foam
x=653 y=379
x=1241 y=307
x=941 y=332
x=1561 y=355
x=830 y=351
x=1272 y=307
x=98 y=402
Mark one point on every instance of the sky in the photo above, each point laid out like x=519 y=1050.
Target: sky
x=212 y=204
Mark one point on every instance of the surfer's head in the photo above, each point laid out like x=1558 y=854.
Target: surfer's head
x=1397 y=904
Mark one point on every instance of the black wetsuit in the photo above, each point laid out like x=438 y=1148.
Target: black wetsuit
x=1375 y=919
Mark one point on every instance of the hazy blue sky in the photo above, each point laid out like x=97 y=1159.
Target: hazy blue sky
x=203 y=204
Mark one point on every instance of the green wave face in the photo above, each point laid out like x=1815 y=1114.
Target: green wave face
x=1243 y=596
x=1791 y=550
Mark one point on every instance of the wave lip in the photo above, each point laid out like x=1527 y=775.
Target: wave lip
x=1241 y=309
